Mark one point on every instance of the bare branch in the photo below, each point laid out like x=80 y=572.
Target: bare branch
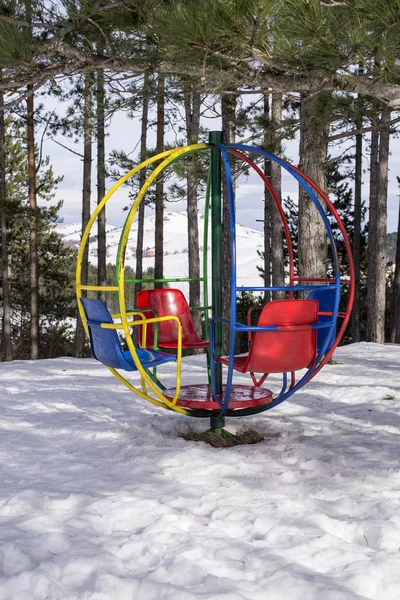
x=353 y=132
x=107 y=41
x=66 y=148
x=42 y=139
x=335 y=159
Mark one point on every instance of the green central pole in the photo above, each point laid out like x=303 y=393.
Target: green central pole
x=215 y=137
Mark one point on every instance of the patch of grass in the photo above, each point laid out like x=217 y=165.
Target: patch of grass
x=388 y=397
x=333 y=362
x=217 y=440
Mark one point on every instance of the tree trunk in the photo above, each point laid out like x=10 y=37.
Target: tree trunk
x=86 y=193
x=373 y=202
x=101 y=186
x=355 y=317
x=6 y=320
x=192 y=103
x=142 y=179
x=228 y=109
x=313 y=153
x=267 y=201
x=376 y=288
x=159 y=217
x=277 y=258
x=33 y=243
x=395 y=308
x=33 y=227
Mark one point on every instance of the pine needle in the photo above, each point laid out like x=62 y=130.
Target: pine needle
x=243 y=436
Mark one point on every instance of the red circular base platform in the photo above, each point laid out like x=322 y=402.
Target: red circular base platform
x=200 y=396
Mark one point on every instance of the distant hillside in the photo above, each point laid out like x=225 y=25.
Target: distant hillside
x=175 y=247
x=391 y=246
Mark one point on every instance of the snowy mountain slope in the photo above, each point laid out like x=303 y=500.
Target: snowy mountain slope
x=175 y=246
x=102 y=499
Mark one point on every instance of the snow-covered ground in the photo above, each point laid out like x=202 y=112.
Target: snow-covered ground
x=101 y=499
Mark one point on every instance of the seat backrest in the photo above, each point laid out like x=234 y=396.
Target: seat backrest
x=284 y=351
x=104 y=343
x=167 y=302
x=326 y=303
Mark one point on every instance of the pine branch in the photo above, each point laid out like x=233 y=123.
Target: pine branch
x=249 y=66
x=21 y=23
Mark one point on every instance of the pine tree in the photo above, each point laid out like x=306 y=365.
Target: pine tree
x=159 y=200
x=277 y=261
x=5 y=275
x=228 y=113
x=395 y=305
x=101 y=182
x=314 y=126
x=355 y=316
x=56 y=292
x=271 y=124
x=380 y=138
x=86 y=194
x=268 y=200
x=341 y=193
x=34 y=283
x=192 y=104
x=142 y=179
x=291 y=45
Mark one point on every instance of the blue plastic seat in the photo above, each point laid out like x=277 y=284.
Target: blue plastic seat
x=326 y=304
x=105 y=344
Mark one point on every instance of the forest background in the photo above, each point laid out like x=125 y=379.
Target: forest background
x=276 y=74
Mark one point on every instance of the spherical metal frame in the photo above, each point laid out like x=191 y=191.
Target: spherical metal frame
x=240 y=151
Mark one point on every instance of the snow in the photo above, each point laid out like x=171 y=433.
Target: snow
x=175 y=247
x=102 y=499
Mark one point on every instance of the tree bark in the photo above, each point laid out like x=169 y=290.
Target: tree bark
x=313 y=153
x=228 y=109
x=267 y=200
x=34 y=327
x=33 y=243
x=376 y=287
x=159 y=216
x=372 y=233
x=142 y=179
x=86 y=193
x=355 y=317
x=5 y=277
x=277 y=258
x=192 y=102
x=395 y=308
x=101 y=186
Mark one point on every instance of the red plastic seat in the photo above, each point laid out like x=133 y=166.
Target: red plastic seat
x=169 y=302
x=287 y=349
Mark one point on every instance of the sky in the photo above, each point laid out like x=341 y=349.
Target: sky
x=124 y=134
